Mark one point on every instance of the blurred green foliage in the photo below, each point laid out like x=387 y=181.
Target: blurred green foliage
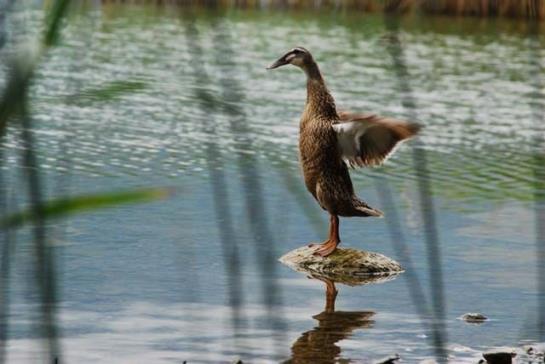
x=67 y=206
x=105 y=93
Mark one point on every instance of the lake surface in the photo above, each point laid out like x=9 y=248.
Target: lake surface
x=195 y=277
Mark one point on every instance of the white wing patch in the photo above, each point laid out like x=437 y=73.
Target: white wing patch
x=348 y=137
x=368 y=140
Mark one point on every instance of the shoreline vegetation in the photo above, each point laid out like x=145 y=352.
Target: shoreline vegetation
x=521 y=9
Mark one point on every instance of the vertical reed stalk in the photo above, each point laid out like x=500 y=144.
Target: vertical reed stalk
x=431 y=235
x=45 y=261
x=538 y=114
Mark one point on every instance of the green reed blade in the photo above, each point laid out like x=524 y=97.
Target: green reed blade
x=107 y=92
x=74 y=205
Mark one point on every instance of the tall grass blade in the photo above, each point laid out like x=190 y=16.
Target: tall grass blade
x=538 y=114
x=54 y=19
x=439 y=335
x=64 y=207
x=22 y=69
x=219 y=182
x=14 y=100
x=44 y=268
x=105 y=93
x=234 y=97
x=14 y=92
x=418 y=296
x=7 y=239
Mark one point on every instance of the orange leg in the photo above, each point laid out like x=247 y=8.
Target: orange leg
x=329 y=246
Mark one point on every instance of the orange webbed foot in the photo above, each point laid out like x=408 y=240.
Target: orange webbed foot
x=326 y=248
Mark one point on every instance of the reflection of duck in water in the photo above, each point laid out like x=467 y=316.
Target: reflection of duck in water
x=351 y=267
x=330 y=141
x=318 y=345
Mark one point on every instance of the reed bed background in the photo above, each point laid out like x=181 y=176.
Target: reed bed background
x=525 y=9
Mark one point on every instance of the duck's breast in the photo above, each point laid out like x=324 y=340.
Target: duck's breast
x=318 y=150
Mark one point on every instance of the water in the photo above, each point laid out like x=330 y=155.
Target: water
x=153 y=283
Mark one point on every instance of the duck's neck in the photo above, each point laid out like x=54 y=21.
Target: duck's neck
x=319 y=100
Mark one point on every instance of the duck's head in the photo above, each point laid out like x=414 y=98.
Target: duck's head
x=298 y=56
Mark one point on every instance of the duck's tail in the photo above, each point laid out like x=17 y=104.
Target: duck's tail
x=363 y=209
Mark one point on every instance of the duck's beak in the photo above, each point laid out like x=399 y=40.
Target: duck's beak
x=280 y=62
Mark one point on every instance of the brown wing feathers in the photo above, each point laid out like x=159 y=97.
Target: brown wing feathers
x=376 y=137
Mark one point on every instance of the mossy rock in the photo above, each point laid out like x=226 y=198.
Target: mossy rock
x=345 y=265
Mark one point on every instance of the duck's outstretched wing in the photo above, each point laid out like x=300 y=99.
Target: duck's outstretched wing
x=369 y=139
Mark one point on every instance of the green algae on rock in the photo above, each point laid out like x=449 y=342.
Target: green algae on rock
x=345 y=265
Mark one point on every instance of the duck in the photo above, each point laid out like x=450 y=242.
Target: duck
x=332 y=141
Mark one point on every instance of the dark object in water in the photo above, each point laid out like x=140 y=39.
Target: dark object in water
x=499 y=357
x=331 y=141
x=474 y=318
x=390 y=360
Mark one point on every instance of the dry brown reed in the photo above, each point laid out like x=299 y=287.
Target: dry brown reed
x=527 y=9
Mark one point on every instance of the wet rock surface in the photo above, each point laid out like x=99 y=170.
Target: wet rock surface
x=345 y=265
x=474 y=317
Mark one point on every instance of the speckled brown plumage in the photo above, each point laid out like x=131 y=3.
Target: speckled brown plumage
x=330 y=141
x=326 y=175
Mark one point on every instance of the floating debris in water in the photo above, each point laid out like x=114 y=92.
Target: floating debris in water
x=389 y=360
x=499 y=357
x=535 y=353
x=474 y=318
